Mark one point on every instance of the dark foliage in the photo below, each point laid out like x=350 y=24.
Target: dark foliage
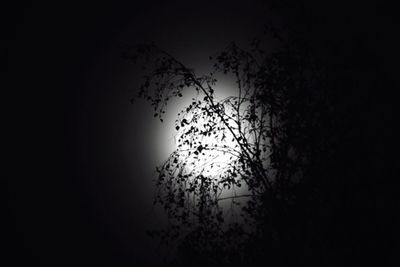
x=308 y=128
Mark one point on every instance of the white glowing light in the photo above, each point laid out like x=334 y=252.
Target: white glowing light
x=210 y=155
x=214 y=155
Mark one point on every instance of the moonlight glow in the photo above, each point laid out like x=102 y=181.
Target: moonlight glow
x=206 y=147
x=202 y=138
x=209 y=149
x=212 y=151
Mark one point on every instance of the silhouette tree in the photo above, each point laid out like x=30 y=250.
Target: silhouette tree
x=257 y=129
x=296 y=139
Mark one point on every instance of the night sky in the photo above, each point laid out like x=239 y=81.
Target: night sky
x=82 y=157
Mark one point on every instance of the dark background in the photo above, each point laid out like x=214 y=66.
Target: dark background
x=79 y=157
x=79 y=188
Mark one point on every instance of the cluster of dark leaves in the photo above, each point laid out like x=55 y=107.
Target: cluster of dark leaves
x=256 y=122
x=254 y=119
x=289 y=127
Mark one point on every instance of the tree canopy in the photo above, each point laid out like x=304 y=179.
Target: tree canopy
x=290 y=136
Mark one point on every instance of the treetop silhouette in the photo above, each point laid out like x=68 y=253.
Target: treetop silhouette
x=290 y=134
